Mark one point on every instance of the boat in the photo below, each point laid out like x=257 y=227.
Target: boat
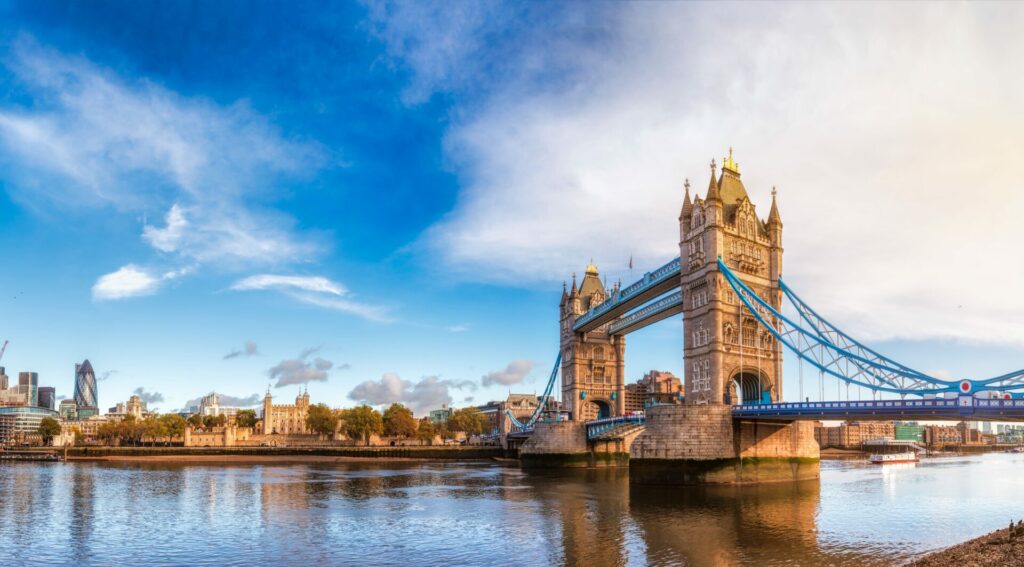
x=889 y=458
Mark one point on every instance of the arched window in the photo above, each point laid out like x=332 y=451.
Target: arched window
x=599 y=353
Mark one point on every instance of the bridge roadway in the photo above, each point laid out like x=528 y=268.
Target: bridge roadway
x=650 y=286
x=956 y=409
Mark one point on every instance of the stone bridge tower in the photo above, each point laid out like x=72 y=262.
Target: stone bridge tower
x=593 y=367
x=728 y=357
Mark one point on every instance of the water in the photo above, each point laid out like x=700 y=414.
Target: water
x=483 y=514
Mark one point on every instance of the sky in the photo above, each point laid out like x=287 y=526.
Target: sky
x=380 y=201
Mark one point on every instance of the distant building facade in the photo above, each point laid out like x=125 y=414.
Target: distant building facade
x=68 y=410
x=285 y=419
x=28 y=383
x=210 y=405
x=439 y=416
x=47 y=397
x=86 y=392
x=656 y=387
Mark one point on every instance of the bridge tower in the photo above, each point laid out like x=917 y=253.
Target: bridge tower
x=728 y=357
x=593 y=368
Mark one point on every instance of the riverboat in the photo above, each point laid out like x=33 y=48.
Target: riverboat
x=889 y=458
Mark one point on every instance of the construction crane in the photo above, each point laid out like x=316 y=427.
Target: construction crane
x=2 y=349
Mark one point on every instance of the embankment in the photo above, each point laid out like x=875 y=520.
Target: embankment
x=280 y=454
x=996 y=548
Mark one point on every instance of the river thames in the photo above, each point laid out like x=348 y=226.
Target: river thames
x=483 y=514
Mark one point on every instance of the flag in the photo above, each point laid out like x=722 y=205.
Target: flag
x=630 y=261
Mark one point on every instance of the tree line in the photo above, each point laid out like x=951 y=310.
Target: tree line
x=360 y=422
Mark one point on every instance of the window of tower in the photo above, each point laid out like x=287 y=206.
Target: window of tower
x=599 y=353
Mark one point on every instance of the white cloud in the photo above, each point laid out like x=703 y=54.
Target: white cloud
x=300 y=370
x=251 y=349
x=129 y=281
x=90 y=138
x=514 y=373
x=132 y=281
x=890 y=130
x=429 y=393
x=168 y=238
x=305 y=283
x=313 y=290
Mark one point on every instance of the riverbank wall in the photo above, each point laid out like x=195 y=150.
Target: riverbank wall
x=230 y=454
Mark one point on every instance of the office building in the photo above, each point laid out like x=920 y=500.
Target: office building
x=28 y=383
x=86 y=393
x=47 y=397
x=68 y=410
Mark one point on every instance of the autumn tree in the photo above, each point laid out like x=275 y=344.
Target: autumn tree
x=321 y=419
x=48 y=429
x=426 y=431
x=246 y=418
x=212 y=421
x=195 y=420
x=399 y=421
x=362 y=422
x=174 y=425
x=469 y=421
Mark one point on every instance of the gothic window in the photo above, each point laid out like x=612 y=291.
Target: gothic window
x=599 y=375
x=730 y=335
x=599 y=353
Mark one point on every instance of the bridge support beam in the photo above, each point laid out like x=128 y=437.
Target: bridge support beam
x=691 y=444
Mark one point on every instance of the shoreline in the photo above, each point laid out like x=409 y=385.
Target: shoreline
x=995 y=548
x=284 y=455
x=253 y=459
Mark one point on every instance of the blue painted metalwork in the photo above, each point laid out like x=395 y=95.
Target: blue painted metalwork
x=958 y=409
x=648 y=311
x=542 y=401
x=600 y=426
x=829 y=358
x=649 y=280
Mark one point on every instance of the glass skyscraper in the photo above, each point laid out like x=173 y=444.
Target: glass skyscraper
x=86 y=393
x=28 y=385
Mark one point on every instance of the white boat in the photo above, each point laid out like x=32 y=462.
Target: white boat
x=888 y=458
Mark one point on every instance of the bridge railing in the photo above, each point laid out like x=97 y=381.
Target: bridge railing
x=649 y=279
x=599 y=426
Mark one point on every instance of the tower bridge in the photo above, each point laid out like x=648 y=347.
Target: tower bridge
x=732 y=424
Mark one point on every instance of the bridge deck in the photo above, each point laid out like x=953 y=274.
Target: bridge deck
x=962 y=408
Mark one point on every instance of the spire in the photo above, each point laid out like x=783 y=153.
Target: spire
x=574 y=288
x=730 y=164
x=687 y=203
x=773 y=214
x=712 y=185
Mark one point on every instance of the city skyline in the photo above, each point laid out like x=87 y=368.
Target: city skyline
x=193 y=211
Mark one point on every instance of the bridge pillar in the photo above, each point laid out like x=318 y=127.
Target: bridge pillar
x=691 y=444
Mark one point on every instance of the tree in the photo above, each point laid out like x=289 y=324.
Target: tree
x=48 y=429
x=174 y=425
x=399 y=421
x=321 y=419
x=246 y=418
x=195 y=420
x=426 y=431
x=212 y=421
x=361 y=422
x=153 y=428
x=79 y=436
x=469 y=421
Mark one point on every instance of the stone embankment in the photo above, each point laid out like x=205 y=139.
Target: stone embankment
x=1002 y=547
x=283 y=454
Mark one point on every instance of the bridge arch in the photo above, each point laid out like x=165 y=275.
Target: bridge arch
x=746 y=386
x=596 y=409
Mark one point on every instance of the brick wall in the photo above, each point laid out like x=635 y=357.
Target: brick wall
x=686 y=432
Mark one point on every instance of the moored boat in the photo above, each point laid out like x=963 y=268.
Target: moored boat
x=888 y=458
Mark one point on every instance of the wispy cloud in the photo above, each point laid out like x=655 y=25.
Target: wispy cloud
x=89 y=138
x=872 y=179
x=250 y=349
x=131 y=281
x=313 y=290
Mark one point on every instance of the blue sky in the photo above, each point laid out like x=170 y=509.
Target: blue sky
x=382 y=199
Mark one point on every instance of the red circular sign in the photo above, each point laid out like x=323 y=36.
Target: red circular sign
x=965 y=386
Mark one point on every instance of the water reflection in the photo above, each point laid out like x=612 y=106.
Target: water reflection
x=481 y=514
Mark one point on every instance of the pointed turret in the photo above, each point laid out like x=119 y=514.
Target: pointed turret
x=773 y=214
x=687 y=211
x=565 y=294
x=713 y=185
x=575 y=290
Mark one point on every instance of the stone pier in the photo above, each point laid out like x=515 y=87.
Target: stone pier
x=564 y=444
x=703 y=444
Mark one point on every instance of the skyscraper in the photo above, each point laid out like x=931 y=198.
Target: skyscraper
x=86 y=393
x=47 y=397
x=3 y=378
x=28 y=385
